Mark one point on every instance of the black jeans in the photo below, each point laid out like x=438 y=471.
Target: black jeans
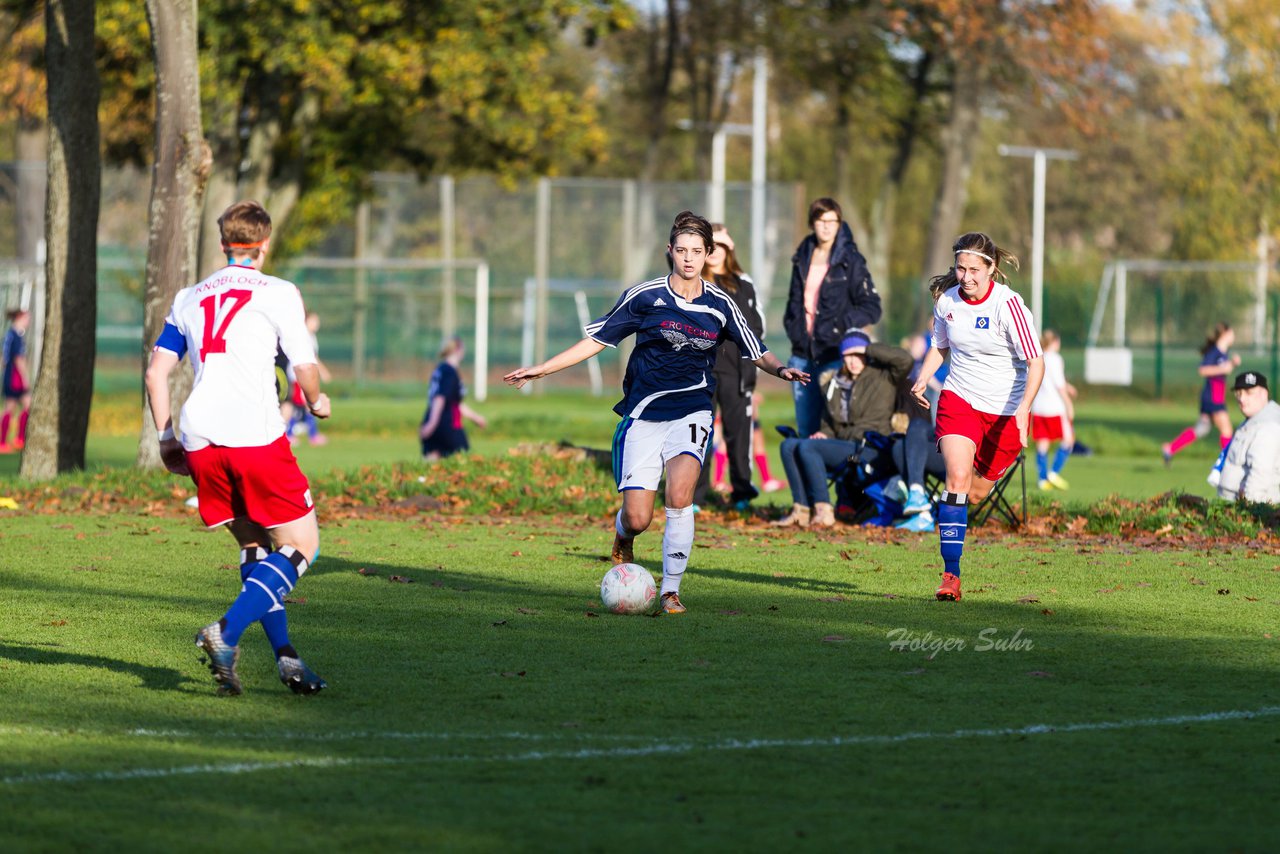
x=735 y=422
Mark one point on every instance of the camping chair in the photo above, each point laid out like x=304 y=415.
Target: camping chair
x=847 y=481
x=995 y=502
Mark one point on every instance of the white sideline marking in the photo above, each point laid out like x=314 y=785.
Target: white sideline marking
x=652 y=749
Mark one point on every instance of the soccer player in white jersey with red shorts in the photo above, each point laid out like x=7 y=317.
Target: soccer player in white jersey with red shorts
x=678 y=321
x=984 y=408
x=233 y=438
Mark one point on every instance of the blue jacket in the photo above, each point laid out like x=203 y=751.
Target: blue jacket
x=847 y=299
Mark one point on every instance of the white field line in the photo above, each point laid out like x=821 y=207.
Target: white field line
x=349 y=735
x=652 y=749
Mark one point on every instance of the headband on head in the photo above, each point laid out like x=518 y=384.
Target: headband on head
x=975 y=252
x=246 y=245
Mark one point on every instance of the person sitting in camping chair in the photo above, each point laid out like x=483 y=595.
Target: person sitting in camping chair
x=859 y=401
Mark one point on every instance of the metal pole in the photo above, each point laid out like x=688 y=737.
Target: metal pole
x=1260 y=292
x=541 y=265
x=449 y=312
x=1122 y=300
x=593 y=364
x=360 y=309
x=715 y=208
x=1037 y=241
x=759 y=149
x=1159 y=340
x=1040 y=156
x=482 y=332
x=630 y=217
x=1275 y=334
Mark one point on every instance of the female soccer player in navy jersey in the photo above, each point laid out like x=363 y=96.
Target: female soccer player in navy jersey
x=996 y=369
x=1215 y=366
x=678 y=321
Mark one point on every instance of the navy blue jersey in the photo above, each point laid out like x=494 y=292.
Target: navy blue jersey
x=1213 y=397
x=15 y=345
x=670 y=373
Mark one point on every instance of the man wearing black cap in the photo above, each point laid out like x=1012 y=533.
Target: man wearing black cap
x=1251 y=470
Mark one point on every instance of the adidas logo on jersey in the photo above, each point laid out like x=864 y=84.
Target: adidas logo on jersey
x=659 y=301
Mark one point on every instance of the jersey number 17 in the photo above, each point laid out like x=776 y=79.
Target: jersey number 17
x=216 y=342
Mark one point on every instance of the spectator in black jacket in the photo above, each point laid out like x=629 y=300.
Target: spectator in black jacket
x=831 y=295
x=735 y=376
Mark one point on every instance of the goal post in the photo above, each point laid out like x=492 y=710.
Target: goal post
x=1109 y=357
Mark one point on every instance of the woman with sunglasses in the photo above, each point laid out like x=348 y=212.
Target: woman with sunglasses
x=831 y=295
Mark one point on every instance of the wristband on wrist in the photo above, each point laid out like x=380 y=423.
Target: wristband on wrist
x=165 y=435
x=313 y=406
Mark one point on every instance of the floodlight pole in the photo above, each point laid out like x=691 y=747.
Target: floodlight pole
x=1040 y=156
x=715 y=191
x=759 y=149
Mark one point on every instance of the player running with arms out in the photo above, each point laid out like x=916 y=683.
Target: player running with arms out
x=678 y=321
x=233 y=438
x=996 y=369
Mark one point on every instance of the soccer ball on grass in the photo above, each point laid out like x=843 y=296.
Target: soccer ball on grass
x=628 y=588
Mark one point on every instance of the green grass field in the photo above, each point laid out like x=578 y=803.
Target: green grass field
x=1088 y=693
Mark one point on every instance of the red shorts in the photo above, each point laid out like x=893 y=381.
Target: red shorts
x=996 y=437
x=262 y=483
x=1047 y=427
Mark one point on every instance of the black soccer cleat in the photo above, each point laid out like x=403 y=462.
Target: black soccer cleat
x=298 y=676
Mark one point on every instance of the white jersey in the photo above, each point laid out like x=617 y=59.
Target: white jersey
x=1051 y=400
x=991 y=342
x=230 y=325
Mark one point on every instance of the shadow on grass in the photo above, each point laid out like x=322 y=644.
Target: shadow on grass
x=151 y=677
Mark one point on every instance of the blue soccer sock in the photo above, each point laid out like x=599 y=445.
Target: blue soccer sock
x=953 y=520
x=268 y=582
x=275 y=623
x=1060 y=458
x=1042 y=464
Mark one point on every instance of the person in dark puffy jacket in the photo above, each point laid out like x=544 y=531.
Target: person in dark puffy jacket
x=831 y=295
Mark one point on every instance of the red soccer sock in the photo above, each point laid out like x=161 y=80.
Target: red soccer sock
x=4 y=428
x=1186 y=437
x=722 y=462
x=1222 y=440
x=762 y=463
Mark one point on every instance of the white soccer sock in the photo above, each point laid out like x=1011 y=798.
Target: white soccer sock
x=677 y=542
x=621 y=528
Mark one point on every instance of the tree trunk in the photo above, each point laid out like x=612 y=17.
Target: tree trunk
x=661 y=67
x=64 y=388
x=285 y=190
x=181 y=168
x=880 y=243
x=959 y=141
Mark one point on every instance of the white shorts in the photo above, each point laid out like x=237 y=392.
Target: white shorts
x=641 y=449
